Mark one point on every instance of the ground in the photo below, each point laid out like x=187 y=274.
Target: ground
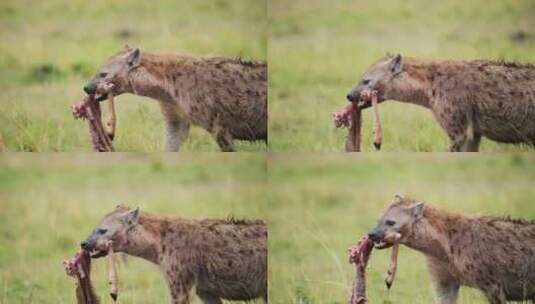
x=320 y=205
x=49 y=203
x=318 y=49
x=50 y=49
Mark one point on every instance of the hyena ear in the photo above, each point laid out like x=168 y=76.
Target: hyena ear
x=398 y=198
x=121 y=207
x=132 y=217
x=395 y=64
x=133 y=58
x=418 y=211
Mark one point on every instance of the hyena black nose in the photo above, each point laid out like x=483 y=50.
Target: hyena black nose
x=351 y=97
x=375 y=235
x=89 y=89
x=84 y=245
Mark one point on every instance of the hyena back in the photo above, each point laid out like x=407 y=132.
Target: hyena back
x=469 y=99
x=225 y=96
x=495 y=255
x=220 y=259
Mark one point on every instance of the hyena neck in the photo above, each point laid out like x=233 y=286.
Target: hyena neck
x=413 y=87
x=150 y=80
x=428 y=235
x=144 y=240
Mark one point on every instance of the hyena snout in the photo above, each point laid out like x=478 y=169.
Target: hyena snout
x=90 y=88
x=85 y=245
x=88 y=244
x=353 y=96
x=376 y=235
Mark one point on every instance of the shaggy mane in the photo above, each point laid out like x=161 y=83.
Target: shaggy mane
x=507 y=64
x=508 y=219
x=240 y=61
x=235 y=221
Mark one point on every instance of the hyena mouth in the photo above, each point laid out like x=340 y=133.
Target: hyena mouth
x=382 y=245
x=363 y=104
x=388 y=241
x=101 y=251
x=365 y=99
x=96 y=253
x=103 y=90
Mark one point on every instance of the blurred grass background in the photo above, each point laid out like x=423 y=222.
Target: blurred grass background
x=49 y=49
x=319 y=49
x=50 y=202
x=321 y=204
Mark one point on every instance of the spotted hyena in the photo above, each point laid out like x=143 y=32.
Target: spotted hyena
x=495 y=255
x=469 y=99
x=226 y=97
x=220 y=259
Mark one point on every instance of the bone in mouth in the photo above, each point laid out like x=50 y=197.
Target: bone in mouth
x=391 y=273
x=89 y=108
x=359 y=255
x=112 y=275
x=377 y=130
x=79 y=267
x=350 y=117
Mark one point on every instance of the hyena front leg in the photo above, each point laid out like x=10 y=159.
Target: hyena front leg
x=457 y=141
x=225 y=141
x=176 y=133
x=460 y=141
x=459 y=124
x=176 y=127
x=208 y=298
x=472 y=135
x=180 y=287
x=446 y=287
x=495 y=294
x=472 y=144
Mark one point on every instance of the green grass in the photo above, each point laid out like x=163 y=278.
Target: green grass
x=318 y=49
x=49 y=49
x=321 y=204
x=50 y=202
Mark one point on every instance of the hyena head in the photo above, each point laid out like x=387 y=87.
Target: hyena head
x=376 y=78
x=396 y=223
x=114 y=71
x=112 y=232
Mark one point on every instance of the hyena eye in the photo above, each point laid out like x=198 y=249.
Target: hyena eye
x=365 y=81
x=102 y=231
x=390 y=223
x=102 y=75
